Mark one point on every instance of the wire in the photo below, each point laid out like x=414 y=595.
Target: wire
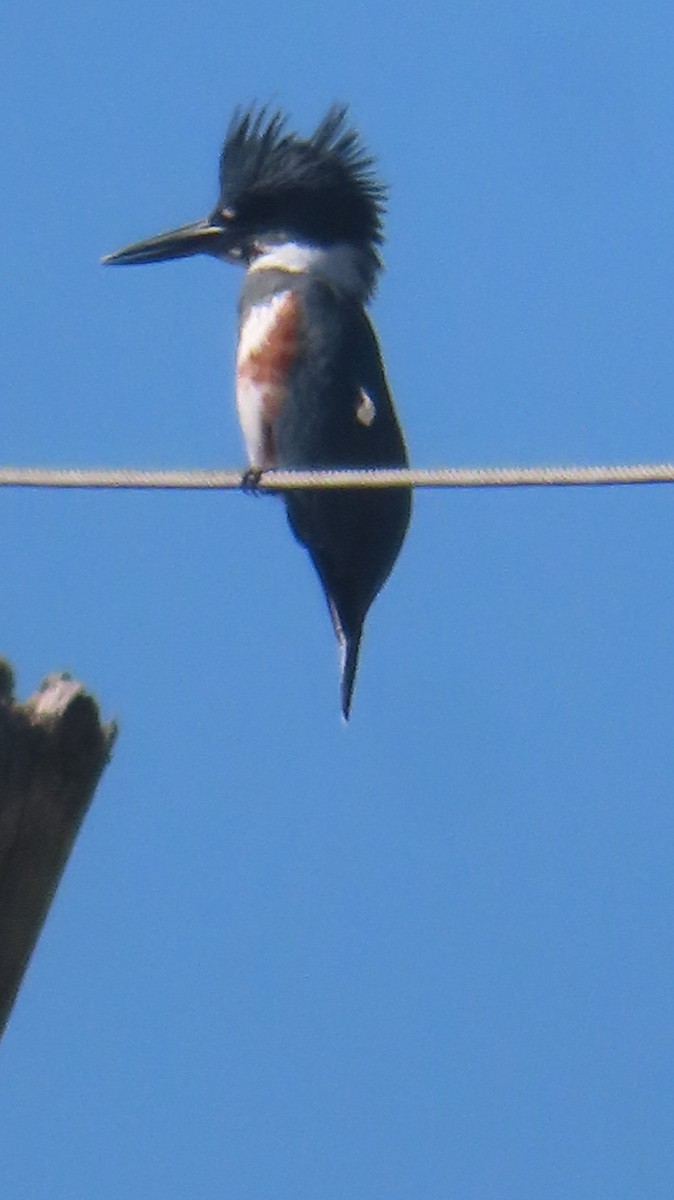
x=442 y=477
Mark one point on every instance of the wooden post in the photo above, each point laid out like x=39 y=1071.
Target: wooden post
x=53 y=750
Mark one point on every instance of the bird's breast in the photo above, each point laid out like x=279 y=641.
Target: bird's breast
x=268 y=348
x=268 y=341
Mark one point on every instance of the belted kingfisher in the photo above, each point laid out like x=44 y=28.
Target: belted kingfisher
x=304 y=217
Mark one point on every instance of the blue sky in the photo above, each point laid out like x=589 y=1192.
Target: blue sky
x=428 y=955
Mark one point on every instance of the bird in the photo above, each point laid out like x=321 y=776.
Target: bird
x=304 y=217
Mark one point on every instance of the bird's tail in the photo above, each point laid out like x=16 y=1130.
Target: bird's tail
x=350 y=649
x=349 y=643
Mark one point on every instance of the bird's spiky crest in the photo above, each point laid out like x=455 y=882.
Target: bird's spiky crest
x=323 y=184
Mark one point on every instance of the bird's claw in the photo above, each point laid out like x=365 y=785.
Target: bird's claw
x=250 y=481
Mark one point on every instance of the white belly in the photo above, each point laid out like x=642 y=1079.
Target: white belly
x=266 y=346
x=255 y=427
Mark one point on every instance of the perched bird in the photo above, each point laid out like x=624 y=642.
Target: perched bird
x=304 y=217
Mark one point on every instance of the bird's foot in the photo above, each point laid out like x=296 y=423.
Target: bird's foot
x=250 y=481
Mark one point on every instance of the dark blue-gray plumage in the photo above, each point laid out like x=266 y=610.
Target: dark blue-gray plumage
x=304 y=216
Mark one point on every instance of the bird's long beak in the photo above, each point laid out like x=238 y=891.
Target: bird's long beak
x=200 y=237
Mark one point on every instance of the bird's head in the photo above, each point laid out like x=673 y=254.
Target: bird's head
x=279 y=190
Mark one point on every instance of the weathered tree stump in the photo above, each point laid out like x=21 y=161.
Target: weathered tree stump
x=53 y=750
